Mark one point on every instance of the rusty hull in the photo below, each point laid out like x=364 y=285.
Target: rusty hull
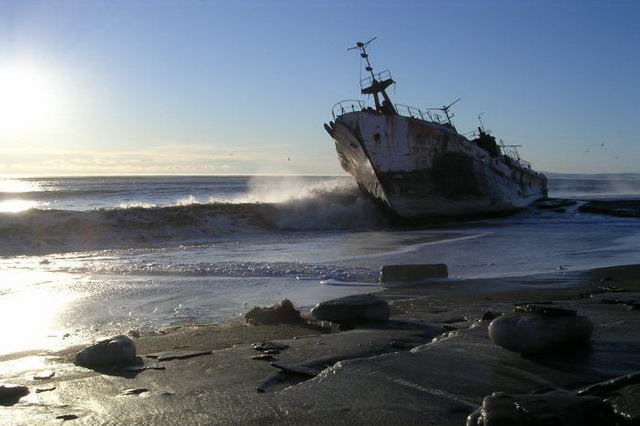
x=421 y=169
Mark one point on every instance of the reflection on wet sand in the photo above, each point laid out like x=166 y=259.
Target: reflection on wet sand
x=32 y=305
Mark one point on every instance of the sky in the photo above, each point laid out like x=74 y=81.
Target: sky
x=244 y=87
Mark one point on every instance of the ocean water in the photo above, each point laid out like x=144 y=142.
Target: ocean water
x=81 y=257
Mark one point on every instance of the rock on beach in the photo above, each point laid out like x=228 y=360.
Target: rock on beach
x=622 y=393
x=529 y=331
x=352 y=309
x=117 y=350
x=282 y=312
x=10 y=393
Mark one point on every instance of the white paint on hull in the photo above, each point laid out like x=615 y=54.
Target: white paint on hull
x=396 y=159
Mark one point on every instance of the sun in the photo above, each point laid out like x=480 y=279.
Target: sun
x=28 y=101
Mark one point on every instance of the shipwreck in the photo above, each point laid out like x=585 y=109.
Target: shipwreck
x=415 y=164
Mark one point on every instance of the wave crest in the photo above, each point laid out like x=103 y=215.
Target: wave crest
x=317 y=208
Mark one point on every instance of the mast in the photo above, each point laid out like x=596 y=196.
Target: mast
x=377 y=84
x=447 y=114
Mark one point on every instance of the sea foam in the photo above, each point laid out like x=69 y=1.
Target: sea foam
x=320 y=207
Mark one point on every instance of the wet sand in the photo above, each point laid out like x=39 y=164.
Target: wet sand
x=432 y=363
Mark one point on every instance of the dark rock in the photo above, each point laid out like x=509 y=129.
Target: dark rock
x=269 y=346
x=118 y=350
x=412 y=273
x=64 y=417
x=10 y=393
x=282 y=312
x=533 y=333
x=44 y=375
x=134 y=391
x=604 y=389
x=139 y=368
x=554 y=408
x=490 y=315
x=626 y=403
x=352 y=309
x=166 y=356
x=155 y=367
x=45 y=389
x=299 y=370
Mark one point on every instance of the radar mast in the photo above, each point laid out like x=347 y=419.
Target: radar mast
x=377 y=84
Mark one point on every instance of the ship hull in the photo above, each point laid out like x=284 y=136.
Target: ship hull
x=418 y=168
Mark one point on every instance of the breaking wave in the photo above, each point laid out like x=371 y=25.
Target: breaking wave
x=616 y=186
x=49 y=231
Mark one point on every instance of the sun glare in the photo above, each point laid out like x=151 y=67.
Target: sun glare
x=16 y=186
x=27 y=100
x=11 y=190
x=39 y=299
x=16 y=206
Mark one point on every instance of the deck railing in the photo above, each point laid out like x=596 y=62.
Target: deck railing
x=349 y=105
x=413 y=112
x=368 y=81
x=354 y=105
x=511 y=151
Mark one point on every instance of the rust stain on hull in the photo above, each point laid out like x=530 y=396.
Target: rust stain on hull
x=422 y=169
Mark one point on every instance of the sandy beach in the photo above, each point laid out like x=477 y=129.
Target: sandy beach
x=431 y=363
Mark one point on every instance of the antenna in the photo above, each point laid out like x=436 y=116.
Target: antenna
x=446 y=109
x=480 y=120
x=376 y=84
x=362 y=47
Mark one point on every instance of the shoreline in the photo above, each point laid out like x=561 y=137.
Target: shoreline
x=431 y=362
